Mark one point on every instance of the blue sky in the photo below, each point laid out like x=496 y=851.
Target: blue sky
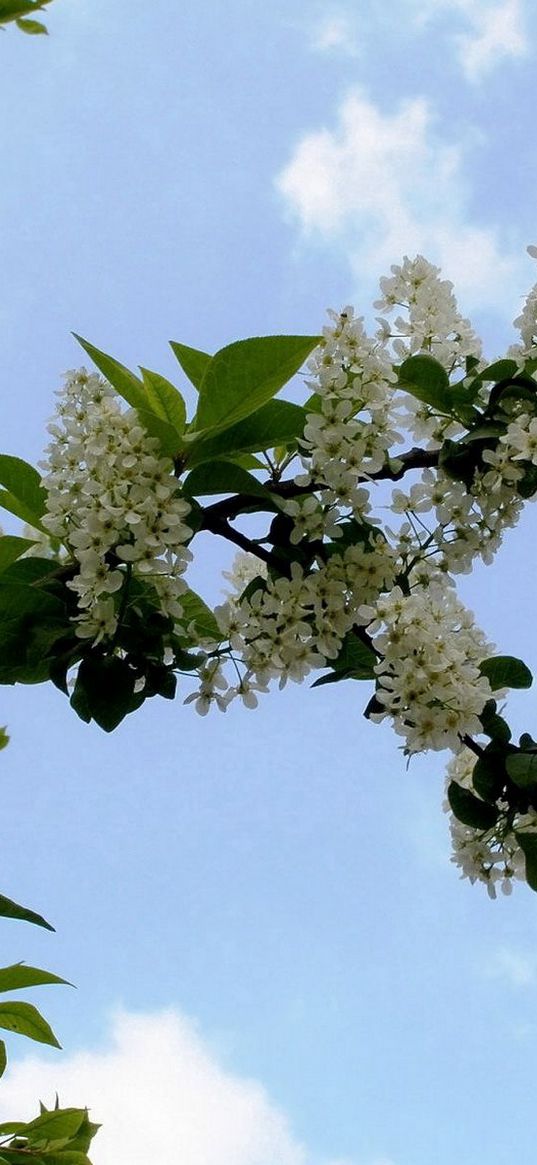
x=269 y=943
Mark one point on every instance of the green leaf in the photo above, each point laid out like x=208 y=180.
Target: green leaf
x=222 y=477
x=26 y=1020
x=494 y=725
x=167 y=437
x=425 y=379
x=165 y=400
x=51 y=1127
x=198 y=613
x=193 y=362
x=275 y=423
x=245 y=375
x=28 y=570
x=528 y=845
x=469 y=809
x=22 y=484
x=3 y=1062
x=4 y=738
x=10 y=1128
x=10 y=909
x=20 y=975
x=489 y=775
x=125 y=382
x=32 y=27
x=500 y=370
x=11 y=548
x=505 y=671
x=355 y=661
x=104 y=690
x=522 y=768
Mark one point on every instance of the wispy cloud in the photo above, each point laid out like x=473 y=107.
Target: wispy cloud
x=513 y=967
x=161 y=1095
x=492 y=31
x=335 y=32
x=379 y=185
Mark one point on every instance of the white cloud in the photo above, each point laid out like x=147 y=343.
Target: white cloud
x=382 y=185
x=335 y=31
x=161 y=1095
x=514 y=967
x=494 y=31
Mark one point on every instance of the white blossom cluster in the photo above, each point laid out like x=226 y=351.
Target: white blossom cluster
x=430 y=684
x=288 y=626
x=348 y=438
x=114 y=504
x=432 y=322
x=491 y=855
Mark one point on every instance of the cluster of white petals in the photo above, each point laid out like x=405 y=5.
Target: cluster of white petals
x=432 y=322
x=349 y=434
x=113 y=503
x=430 y=684
x=287 y=626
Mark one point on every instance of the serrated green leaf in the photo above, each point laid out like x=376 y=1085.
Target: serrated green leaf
x=126 y=384
x=469 y=809
x=20 y=975
x=11 y=548
x=26 y=1020
x=10 y=909
x=522 y=768
x=275 y=423
x=505 y=671
x=193 y=362
x=165 y=400
x=245 y=375
x=528 y=844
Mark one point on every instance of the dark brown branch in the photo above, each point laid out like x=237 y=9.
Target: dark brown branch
x=230 y=508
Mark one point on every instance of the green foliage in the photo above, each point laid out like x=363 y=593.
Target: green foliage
x=276 y=423
x=23 y=494
x=19 y=12
x=469 y=809
x=522 y=769
x=427 y=380
x=10 y=909
x=192 y=361
x=528 y=844
x=505 y=671
x=245 y=375
x=4 y=738
x=222 y=477
x=165 y=400
x=355 y=661
x=26 y=1020
x=11 y=548
x=61 y=1136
